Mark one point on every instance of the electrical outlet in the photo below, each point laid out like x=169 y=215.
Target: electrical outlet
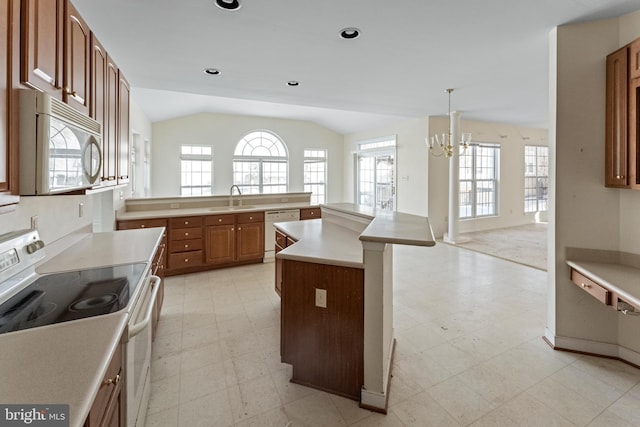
x=34 y=222
x=175 y=205
x=80 y=210
x=321 y=298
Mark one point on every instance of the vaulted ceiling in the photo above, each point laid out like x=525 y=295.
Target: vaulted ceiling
x=493 y=52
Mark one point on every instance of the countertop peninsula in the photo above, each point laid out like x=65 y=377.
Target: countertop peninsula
x=329 y=240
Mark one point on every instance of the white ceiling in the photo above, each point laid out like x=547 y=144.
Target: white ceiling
x=493 y=52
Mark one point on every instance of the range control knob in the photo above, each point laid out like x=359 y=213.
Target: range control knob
x=35 y=246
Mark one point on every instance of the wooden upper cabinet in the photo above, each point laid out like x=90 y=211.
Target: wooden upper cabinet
x=634 y=133
x=42 y=45
x=4 y=95
x=617 y=114
x=634 y=59
x=98 y=105
x=9 y=77
x=124 y=144
x=77 y=57
x=110 y=129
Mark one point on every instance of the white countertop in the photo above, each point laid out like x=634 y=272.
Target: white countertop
x=322 y=242
x=328 y=242
x=62 y=363
x=622 y=279
x=170 y=213
x=65 y=363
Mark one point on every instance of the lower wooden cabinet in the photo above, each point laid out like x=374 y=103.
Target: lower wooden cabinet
x=234 y=238
x=197 y=243
x=107 y=408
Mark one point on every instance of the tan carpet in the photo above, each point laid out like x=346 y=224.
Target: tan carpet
x=525 y=244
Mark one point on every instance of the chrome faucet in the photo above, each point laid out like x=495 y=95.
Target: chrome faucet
x=231 y=195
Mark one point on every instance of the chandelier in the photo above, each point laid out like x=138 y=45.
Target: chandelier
x=441 y=145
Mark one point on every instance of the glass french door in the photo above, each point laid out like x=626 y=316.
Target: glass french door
x=376 y=180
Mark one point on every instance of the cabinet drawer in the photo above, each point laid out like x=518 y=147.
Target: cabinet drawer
x=249 y=217
x=281 y=239
x=186 y=222
x=141 y=223
x=591 y=287
x=186 y=245
x=185 y=259
x=310 y=213
x=186 y=234
x=227 y=219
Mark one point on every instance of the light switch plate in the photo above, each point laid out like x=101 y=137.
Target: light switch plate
x=321 y=298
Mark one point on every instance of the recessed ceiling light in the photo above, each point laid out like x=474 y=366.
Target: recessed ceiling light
x=228 y=4
x=212 y=71
x=350 y=33
x=293 y=83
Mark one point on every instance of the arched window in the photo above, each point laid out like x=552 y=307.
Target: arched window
x=260 y=164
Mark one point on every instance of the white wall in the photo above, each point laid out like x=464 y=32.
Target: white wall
x=223 y=131
x=587 y=214
x=411 y=163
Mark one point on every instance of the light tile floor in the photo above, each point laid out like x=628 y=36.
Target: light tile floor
x=469 y=352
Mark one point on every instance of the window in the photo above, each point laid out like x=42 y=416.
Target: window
x=196 y=170
x=376 y=173
x=479 y=180
x=536 y=178
x=260 y=164
x=315 y=175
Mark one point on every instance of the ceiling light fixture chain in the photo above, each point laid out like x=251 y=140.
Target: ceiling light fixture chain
x=441 y=145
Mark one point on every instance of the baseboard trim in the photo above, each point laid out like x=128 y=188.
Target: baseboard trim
x=593 y=348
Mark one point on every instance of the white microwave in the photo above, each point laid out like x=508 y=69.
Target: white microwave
x=60 y=148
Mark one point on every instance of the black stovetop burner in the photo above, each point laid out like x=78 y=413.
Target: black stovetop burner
x=71 y=295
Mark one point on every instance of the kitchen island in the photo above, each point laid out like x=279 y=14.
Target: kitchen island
x=337 y=298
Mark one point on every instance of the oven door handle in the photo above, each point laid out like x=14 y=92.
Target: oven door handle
x=139 y=327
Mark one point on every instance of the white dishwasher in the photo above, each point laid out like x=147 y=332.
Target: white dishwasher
x=270 y=217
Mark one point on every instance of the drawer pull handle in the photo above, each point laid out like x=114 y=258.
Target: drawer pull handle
x=619 y=176
x=186 y=223
x=584 y=285
x=219 y=219
x=115 y=380
x=186 y=246
x=239 y=228
x=186 y=234
x=186 y=260
x=250 y=217
x=142 y=226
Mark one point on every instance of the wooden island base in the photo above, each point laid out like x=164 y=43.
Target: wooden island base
x=324 y=345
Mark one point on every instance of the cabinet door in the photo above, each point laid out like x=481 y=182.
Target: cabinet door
x=616 y=155
x=110 y=129
x=634 y=134
x=4 y=95
x=250 y=241
x=220 y=244
x=123 y=130
x=634 y=59
x=77 y=57
x=98 y=105
x=42 y=26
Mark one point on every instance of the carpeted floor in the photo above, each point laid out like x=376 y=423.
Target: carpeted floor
x=525 y=244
